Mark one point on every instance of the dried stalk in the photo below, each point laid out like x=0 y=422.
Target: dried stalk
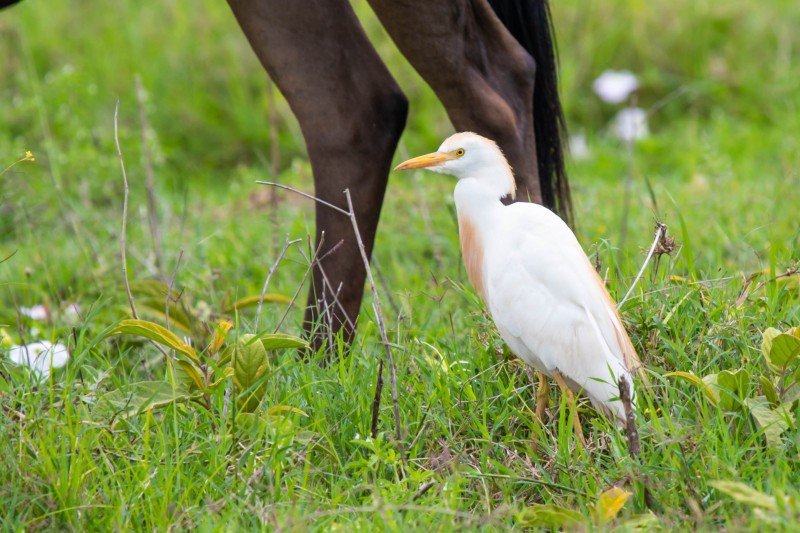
x=376 y=401
x=169 y=288
x=630 y=420
x=661 y=230
x=306 y=195
x=272 y=269
x=376 y=304
x=124 y=216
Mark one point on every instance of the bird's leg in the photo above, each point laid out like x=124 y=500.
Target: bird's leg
x=569 y=396
x=542 y=401
x=542 y=396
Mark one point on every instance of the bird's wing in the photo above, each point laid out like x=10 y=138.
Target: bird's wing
x=551 y=306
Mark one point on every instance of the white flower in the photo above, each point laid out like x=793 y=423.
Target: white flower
x=40 y=357
x=615 y=86
x=37 y=312
x=630 y=124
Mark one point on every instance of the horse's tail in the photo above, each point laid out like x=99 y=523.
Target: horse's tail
x=529 y=21
x=7 y=3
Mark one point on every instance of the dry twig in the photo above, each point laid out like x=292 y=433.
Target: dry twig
x=306 y=195
x=124 y=216
x=286 y=245
x=376 y=304
x=169 y=288
x=630 y=420
x=661 y=231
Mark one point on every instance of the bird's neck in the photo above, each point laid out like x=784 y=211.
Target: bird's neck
x=479 y=212
x=475 y=195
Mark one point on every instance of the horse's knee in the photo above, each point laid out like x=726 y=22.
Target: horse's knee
x=365 y=131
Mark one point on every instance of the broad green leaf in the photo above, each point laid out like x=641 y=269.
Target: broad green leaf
x=252 y=301
x=780 y=350
x=610 y=503
x=792 y=392
x=138 y=397
x=278 y=341
x=733 y=388
x=177 y=315
x=769 y=391
x=220 y=334
x=549 y=516
x=250 y=363
x=154 y=332
x=152 y=288
x=151 y=297
x=227 y=373
x=745 y=494
x=192 y=373
x=766 y=341
x=773 y=422
x=701 y=385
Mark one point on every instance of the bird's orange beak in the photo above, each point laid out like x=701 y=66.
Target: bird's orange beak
x=425 y=161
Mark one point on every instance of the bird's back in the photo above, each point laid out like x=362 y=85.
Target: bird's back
x=550 y=305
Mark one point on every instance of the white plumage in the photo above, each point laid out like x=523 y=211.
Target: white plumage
x=547 y=301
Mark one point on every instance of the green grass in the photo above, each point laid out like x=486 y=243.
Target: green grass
x=720 y=81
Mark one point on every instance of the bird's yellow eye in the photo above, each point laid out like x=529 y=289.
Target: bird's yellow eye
x=460 y=152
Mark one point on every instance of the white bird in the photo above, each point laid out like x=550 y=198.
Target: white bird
x=549 y=304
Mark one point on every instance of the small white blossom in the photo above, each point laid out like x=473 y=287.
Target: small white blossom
x=40 y=357
x=630 y=124
x=37 y=312
x=615 y=86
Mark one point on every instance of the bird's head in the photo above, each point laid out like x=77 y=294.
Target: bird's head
x=468 y=155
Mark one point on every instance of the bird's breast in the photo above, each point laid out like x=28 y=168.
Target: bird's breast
x=472 y=249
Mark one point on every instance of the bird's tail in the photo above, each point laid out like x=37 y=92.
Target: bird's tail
x=529 y=21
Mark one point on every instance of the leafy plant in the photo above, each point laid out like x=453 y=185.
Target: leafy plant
x=195 y=375
x=735 y=391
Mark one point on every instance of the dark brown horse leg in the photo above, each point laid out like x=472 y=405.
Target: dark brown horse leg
x=351 y=113
x=482 y=75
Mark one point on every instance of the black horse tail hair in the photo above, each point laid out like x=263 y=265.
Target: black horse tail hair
x=7 y=3
x=530 y=22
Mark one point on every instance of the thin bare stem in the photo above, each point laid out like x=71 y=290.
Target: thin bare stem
x=124 y=216
x=630 y=420
x=169 y=289
x=309 y=196
x=327 y=282
x=660 y=231
x=314 y=260
x=376 y=304
x=152 y=212
x=376 y=400
x=272 y=269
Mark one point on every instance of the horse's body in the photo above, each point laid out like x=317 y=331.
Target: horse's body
x=490 y=62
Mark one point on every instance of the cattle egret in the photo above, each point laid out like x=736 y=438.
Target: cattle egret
x=547 y=301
